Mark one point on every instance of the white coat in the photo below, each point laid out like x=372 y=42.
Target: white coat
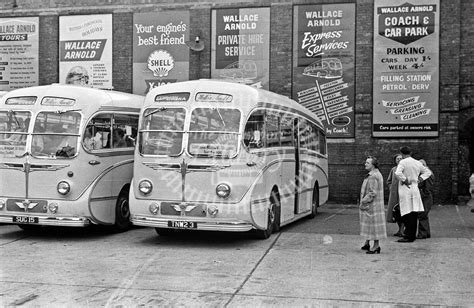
x=408 y=171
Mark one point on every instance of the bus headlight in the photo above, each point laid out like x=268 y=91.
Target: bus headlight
x=223 y=190
x=145 y=187
x=2 y=204
x=63 y=187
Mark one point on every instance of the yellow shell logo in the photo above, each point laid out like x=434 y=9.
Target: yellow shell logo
x=160 y=62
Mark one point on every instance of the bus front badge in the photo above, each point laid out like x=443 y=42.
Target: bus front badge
x=26 y=205
x=183 y=208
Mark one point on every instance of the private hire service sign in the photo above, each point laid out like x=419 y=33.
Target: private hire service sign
x=85 y=50
x=240 y=46
x=19 y=46
x=406 y=68
x=324 y=64
x=160 y=53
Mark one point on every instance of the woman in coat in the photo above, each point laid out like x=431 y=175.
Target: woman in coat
x=371 y=208
x=392 y=182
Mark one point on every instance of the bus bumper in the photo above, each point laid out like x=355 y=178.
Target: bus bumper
x=48 y=221
x=196 y=224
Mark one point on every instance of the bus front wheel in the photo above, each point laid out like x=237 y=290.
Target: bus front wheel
x=273 y=220
x=30 y=228
x=164 y=231
x=122 y=213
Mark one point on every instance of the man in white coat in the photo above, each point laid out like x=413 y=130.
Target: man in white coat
x=410 y=172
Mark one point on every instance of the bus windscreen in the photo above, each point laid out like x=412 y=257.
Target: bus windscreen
x=214 y=132
x=162 y=131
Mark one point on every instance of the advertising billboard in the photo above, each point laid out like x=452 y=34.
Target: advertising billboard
x=160 y=54
x=324 y=64
x=19 y=45
x=85 y=50
x=406 y=68
x=241 y=45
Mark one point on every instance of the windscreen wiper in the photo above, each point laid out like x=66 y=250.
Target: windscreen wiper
x=155 y=111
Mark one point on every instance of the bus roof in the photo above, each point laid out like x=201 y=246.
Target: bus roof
x=84 y=97
x=245 y=96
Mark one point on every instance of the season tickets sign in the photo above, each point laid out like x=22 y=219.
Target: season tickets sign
x=241 y=45
x=85 y=50
x=323 y=64
x=406 y=68
x=160 y=54
x=18 y=53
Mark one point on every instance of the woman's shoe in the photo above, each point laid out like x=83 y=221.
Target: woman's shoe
x=376 y=250
x=365 y=247
x=399 y=234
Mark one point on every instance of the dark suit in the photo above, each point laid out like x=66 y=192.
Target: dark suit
x=427 y=198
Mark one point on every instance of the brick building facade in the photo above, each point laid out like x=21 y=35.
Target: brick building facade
x=450 y=156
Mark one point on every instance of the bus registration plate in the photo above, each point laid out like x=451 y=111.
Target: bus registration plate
x=182 y=224
x=25 y=220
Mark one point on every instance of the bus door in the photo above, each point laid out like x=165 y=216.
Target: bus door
x=108 y=141
x=297 y=164
x=288 y=166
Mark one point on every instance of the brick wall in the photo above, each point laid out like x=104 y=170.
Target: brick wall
x=447 y=155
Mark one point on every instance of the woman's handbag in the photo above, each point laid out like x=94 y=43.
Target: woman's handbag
x=396 y=213
x=364 y=206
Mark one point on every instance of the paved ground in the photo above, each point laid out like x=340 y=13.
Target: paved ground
x=310 y=263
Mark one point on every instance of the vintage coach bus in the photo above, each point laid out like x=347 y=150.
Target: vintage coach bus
x=215 y=155
x=66 y=156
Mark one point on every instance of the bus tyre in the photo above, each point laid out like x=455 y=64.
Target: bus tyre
x=29 y=228
x=164 y=231
x=314 y=203
x=122 y=213
x=276 y=201
x=272 y=222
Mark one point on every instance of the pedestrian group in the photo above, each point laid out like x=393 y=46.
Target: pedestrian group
x=410 y=184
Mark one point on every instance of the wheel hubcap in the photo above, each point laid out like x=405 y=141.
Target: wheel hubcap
x=124 y=210
x=271 y=216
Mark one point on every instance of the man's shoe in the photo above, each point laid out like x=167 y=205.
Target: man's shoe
x=405 y=240
x=421 y=237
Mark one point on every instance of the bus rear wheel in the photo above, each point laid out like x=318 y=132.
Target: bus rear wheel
x=122 y=213
x=314 y=203
x=273 y=220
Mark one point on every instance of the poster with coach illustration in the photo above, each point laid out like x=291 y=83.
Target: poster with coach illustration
x=160 y=53
x=406 y=68
x=240 y=46
x=324 y=65
x=85 y=50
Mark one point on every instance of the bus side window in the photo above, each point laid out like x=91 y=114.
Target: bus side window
x=304 y=134
x=286 y=130
x=315 y=138
x=97 y=132
x=254 y=130
x=125 y=130
x=272 y=130
x=311 y=137
x=322 y=143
